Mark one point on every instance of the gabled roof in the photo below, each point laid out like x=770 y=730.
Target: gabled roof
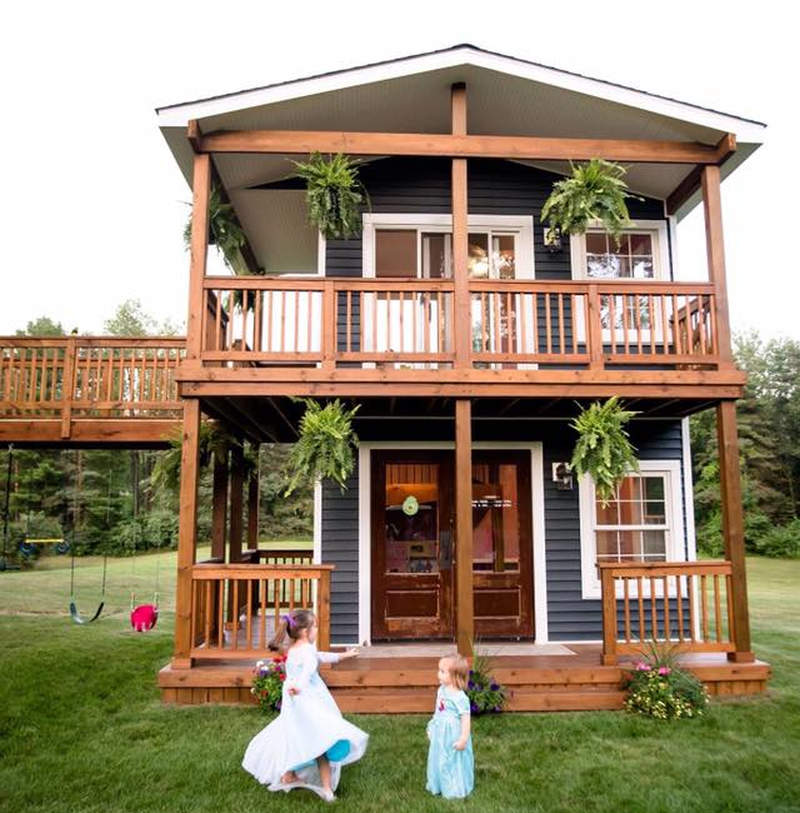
x=506 y=95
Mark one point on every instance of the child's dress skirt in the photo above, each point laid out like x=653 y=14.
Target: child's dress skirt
x=451 y=773
x=309 y=725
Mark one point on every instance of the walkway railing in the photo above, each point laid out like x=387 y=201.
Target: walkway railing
x=330 y=322
x=89 y=376
x=686 y=605
x=237 y=607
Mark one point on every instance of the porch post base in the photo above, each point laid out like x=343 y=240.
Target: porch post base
x=182 y=663
x=741 y=657
x=609 y=660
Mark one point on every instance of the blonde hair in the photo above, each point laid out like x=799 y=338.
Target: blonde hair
x=292 y=624
x=458 y=669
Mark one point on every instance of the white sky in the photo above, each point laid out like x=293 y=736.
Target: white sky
x=92 y=212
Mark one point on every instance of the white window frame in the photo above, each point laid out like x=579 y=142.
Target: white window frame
x=658 y=229
x=520 y=225
x=674 y=535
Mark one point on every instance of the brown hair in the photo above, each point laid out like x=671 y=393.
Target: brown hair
x=457 y=666
x=291 y=624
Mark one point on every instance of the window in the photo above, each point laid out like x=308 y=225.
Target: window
x=421 y=246
x=643 y=523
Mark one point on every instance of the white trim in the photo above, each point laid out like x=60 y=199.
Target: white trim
x=322 y=245
x=317 y=522
x=179 y=115
x=364 y=526
x=672 y=234
x=661 y=264
x=675 y=539
x=524 y=259
x=688 y=492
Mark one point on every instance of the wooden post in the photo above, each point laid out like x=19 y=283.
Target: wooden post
x=252 y=507
x=199 y=252
x=68 y=386
x=594 y=330
x=465 y=625
x=324 y=610
x=219 y=511
x=187 y=536
x=715 y=250
x=461 y=305
x=609 y=599
x=733 y=527
x=237 y=503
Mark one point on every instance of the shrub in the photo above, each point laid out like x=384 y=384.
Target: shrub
x=781 y=541
x=658 y=688
x=485 y=695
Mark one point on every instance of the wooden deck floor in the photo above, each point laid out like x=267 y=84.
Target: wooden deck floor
x=370 y=684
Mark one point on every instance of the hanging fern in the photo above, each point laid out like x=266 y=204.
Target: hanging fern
x=604 y=450
x=334 y=194
x=224 y=229
x=212 y=438
x=325 y=446
x=596 y=191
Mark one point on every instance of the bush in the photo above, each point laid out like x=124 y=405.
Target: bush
x=485 y=695
x=269 y=677
x=658 y=688
x=781 y=541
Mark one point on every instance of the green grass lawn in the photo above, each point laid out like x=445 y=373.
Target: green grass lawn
x=82 y=729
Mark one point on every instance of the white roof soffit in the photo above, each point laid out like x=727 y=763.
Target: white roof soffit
x=506 y=96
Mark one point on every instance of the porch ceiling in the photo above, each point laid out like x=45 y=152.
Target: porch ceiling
x=506 y=96
x=275 y=419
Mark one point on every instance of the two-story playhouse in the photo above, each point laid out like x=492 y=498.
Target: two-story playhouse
x=468 y=344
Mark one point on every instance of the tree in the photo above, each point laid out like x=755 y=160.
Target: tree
x=131 y=320
x=43 y=326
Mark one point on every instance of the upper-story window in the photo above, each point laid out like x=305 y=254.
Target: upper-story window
x=421 y=246
x=642 y=253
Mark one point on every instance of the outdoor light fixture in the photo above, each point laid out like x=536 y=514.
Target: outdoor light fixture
x=562 y=476
x=552 y=239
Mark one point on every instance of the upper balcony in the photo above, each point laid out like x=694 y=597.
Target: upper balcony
x=335 y=336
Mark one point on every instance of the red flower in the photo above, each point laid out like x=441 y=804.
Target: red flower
x=282 y=677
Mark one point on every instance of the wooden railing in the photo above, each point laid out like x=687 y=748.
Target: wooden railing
x=686 y=605
x=237 y=607
x=89 y=376
x=327 y=322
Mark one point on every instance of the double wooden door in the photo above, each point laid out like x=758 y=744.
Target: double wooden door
x=413 y=545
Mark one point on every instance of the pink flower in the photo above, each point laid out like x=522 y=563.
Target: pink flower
x=664 y=670
x=642 y=667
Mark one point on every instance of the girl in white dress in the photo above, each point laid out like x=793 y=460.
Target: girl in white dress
x=307 y=744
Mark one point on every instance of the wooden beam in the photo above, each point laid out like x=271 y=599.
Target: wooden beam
x=444 y=145
x=715 y=249
x=199 y=254
x=193 y=134
x=252 y=506
x=733 y=527
x=461 y=295
x=465 y=617
x=187 y=533
x=236 y=525
x=725 y=148
x=219 y=509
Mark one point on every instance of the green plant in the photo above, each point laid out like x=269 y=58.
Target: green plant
x=167 y=470
x=224 y=229
x=485 y=695
x=325 y=445
x=658 y=688
x=268 y=680
x=596 y=191
x=603 y=449
x=334 y=194
x=782 y=541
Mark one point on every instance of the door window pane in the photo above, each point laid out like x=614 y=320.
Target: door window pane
x=495 y=518
x=436 y=257
x=503 y=257
x=396 y=253
x=412 y=518
x=478 y=255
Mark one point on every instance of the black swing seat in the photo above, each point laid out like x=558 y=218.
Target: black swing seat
x=79 y=619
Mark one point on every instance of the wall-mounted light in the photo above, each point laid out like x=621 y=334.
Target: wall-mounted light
x=552 y=239
x=562 y=476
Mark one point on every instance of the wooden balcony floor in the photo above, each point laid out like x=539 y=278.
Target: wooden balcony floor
x=397 y=683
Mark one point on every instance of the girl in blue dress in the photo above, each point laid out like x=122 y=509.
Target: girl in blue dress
x=451 y=764
x=307 y=744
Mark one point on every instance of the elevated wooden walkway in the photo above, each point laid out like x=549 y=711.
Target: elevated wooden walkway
x=387 y=685
x=89 y=390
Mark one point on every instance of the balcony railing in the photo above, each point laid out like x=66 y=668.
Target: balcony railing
x=89 y=376
x=686 y=605
x=513 y=324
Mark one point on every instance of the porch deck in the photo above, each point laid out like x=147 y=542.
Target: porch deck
x=385 y=683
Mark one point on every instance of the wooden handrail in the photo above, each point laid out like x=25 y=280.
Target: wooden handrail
x=679 y=604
